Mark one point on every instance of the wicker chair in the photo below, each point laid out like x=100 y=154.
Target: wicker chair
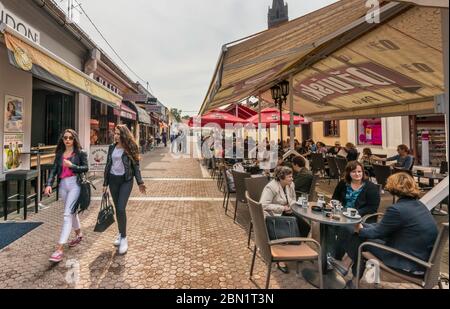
x=255 y=187
x=279 y=250
x=432 y=266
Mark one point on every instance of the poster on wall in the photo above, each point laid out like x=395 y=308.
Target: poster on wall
x=13 y=145
x=97 y=158
x=13 y=114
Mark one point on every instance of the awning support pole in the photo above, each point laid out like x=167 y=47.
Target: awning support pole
x=291 y=111
x=445 y=34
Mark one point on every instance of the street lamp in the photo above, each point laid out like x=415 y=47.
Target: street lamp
x=280 y=93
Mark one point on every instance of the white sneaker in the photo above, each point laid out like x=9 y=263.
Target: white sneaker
x=123 y=248
x=117 y=241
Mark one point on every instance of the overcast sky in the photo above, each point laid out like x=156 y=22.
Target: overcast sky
x=175 y=44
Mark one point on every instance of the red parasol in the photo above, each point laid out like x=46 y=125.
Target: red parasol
x=219 y=117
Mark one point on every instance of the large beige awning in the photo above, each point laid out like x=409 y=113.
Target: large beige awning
x=396 y=69
x=430 y=3
x=246 y=65
x=369 y=70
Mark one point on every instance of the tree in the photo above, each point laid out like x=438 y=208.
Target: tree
x=186 y=117
x=176 y=114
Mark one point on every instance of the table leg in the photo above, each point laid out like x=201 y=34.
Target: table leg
x=331 y=279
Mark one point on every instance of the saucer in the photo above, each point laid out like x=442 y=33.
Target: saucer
x=357 y=217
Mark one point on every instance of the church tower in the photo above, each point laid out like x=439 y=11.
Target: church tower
x=278 y=14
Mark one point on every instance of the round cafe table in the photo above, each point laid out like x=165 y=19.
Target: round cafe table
x=331 y=279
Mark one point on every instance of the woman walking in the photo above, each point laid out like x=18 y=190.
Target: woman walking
x=121 y=167
x=70 y=162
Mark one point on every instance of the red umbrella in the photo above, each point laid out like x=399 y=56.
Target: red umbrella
x=219 y=117
x=272 y=115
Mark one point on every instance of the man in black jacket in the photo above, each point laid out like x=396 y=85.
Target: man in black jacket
x=303 y=177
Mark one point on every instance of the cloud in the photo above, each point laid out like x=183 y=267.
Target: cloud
x=175 y=44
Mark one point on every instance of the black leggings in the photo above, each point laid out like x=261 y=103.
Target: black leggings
x=120 y=191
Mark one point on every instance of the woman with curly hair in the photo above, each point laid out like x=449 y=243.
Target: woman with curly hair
x=121 y=167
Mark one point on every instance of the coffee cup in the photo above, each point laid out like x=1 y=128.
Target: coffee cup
x=352 y=212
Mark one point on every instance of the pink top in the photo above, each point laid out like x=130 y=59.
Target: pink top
x=67 y=172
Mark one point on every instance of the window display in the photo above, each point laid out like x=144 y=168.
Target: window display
x=370 y=132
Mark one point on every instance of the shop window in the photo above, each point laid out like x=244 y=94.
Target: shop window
x=103 y=123
x=370 y=132
x=331 y=128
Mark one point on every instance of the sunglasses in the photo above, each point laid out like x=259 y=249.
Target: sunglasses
x=68 y=138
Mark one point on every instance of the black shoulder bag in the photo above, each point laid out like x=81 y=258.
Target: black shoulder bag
x=84 y=200
x=105 y=217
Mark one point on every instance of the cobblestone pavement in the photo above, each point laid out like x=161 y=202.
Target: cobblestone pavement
x=175 y=241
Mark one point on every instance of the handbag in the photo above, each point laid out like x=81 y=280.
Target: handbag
x=105 y=216
x=282 y=227
x=84 y=199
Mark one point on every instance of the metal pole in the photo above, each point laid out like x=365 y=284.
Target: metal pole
x=39 y=185
x=281 y=123
x=445 y=45
x=291 y=111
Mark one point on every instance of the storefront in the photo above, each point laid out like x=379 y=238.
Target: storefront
x=428 y=137
x=103 y=122
x=43 y=89
x=128 y=117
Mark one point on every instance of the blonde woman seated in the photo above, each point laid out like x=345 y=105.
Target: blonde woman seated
x=277 y=199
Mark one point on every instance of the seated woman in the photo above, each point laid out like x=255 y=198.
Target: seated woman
x=368 y=159
x=277 y=199
x=352 y=152
x=407 y=226
x=355 y=191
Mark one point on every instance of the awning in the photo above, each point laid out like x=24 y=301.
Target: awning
x=253 y=63
x=125 y=112
x=143 y=116
x=43 y=64
x=396 y=69
x=391 y=68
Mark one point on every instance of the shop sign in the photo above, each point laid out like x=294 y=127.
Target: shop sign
x=19 y=25
x=135 y=97
x=97 y=158
x=154 y=109
x=13 y=145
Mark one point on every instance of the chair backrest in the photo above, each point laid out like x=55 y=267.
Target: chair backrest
x=239 y=184
x=444 y=167
x=255 y=186
x=334 y=170
x=341 y=164
x=260 y=229
x=228 y=188
x=382 y=173
x=312 y=189
x=432 y=274
x=317 y=162
x=400 y=170
x=412 y=165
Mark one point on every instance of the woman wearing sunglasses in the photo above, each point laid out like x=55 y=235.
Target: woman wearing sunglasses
x=70 y=162
x=122 y=166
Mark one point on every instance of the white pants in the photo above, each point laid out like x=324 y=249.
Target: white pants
x=69 y=191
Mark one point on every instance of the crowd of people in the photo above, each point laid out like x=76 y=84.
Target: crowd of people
x=407 y=225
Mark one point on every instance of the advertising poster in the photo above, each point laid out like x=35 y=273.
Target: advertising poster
x=13 y=114
x=13 y=145
x=97 y=158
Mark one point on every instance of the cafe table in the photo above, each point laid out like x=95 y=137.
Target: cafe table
x=331 y=280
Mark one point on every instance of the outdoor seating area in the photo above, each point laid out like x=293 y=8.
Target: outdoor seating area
x=243 y=181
